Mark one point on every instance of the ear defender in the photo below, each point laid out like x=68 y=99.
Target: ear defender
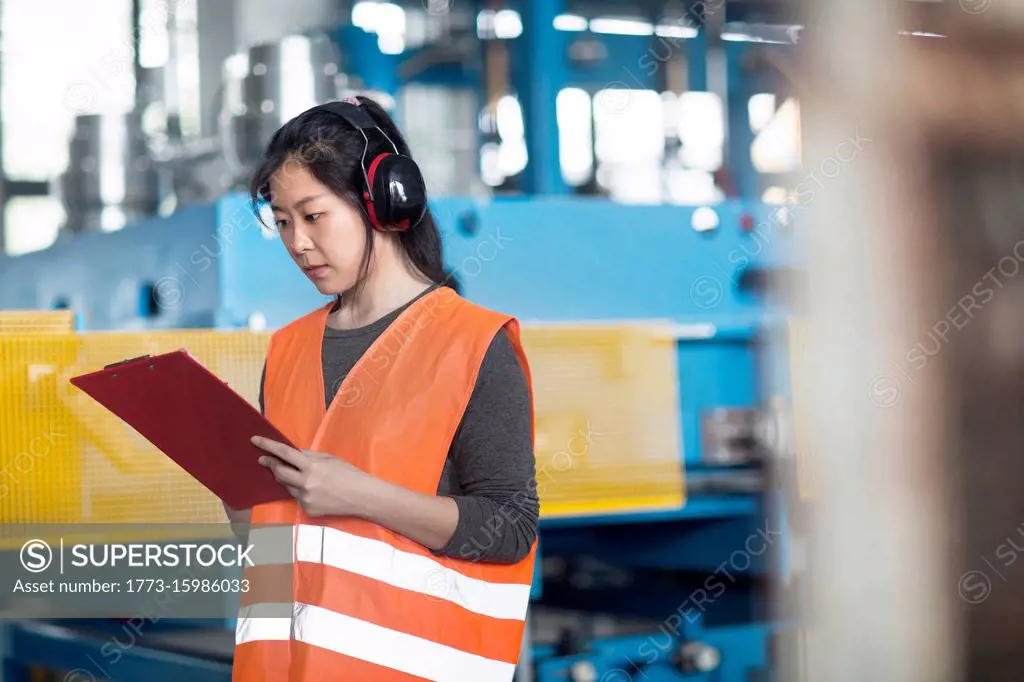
x=397 y=198
x=395 y=192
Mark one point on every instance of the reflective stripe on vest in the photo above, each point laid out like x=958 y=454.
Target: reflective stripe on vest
x=352 y=600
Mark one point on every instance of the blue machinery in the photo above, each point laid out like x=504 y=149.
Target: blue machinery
x=694 y=574
x=692 y=583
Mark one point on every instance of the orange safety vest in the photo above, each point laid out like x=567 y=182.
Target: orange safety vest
x=363 y=603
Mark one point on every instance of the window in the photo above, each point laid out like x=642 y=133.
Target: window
x=630 y=144
x=52 y=71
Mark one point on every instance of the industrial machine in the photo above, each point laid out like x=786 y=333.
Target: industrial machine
x=658 y=348
x=657 y=416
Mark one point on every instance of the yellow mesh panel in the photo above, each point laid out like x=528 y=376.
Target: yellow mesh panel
x=607 y=416
x=606 y=405
x=36 y=322
x=66 y=459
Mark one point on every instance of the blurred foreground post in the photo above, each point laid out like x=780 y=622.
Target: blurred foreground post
x=913 y=225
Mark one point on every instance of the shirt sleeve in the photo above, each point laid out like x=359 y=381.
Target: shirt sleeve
x=494 y=463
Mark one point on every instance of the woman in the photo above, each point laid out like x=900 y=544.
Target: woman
x=414 y=510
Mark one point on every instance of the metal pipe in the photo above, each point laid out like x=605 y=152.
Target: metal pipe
x=539 y=77
x=140 y=76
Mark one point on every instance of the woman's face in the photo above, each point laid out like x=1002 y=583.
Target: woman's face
x=324 y=235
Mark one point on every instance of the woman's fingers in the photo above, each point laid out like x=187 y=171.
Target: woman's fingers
x=284 y=452
x=285 y=474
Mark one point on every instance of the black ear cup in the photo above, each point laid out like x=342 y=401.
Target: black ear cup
x=399 y=192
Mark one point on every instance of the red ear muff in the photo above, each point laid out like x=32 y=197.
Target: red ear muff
x=371 y=172
x=398 y=190
x=371 y=202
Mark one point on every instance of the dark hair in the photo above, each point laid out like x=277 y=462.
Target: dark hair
x=332 y=150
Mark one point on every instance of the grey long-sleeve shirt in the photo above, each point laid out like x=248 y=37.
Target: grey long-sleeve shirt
x=490 y=470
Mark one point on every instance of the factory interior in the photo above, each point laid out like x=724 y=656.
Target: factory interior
x=764 y=258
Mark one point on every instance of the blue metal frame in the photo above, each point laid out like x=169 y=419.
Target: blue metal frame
x=547 y=259
x=540 y=259
x=647 y=657
x=541 y=68
x=86 y=657
x=539 y=73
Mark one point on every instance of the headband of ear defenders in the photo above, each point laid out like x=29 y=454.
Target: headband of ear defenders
x=395 y=192
x=351 y=111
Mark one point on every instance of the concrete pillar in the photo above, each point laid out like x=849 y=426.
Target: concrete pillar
x=218 y=40
x=261 y=21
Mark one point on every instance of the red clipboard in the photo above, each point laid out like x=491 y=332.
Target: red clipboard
x=193 y=417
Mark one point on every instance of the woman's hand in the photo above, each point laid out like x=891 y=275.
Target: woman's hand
x=326 y=485
x=323 y=484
